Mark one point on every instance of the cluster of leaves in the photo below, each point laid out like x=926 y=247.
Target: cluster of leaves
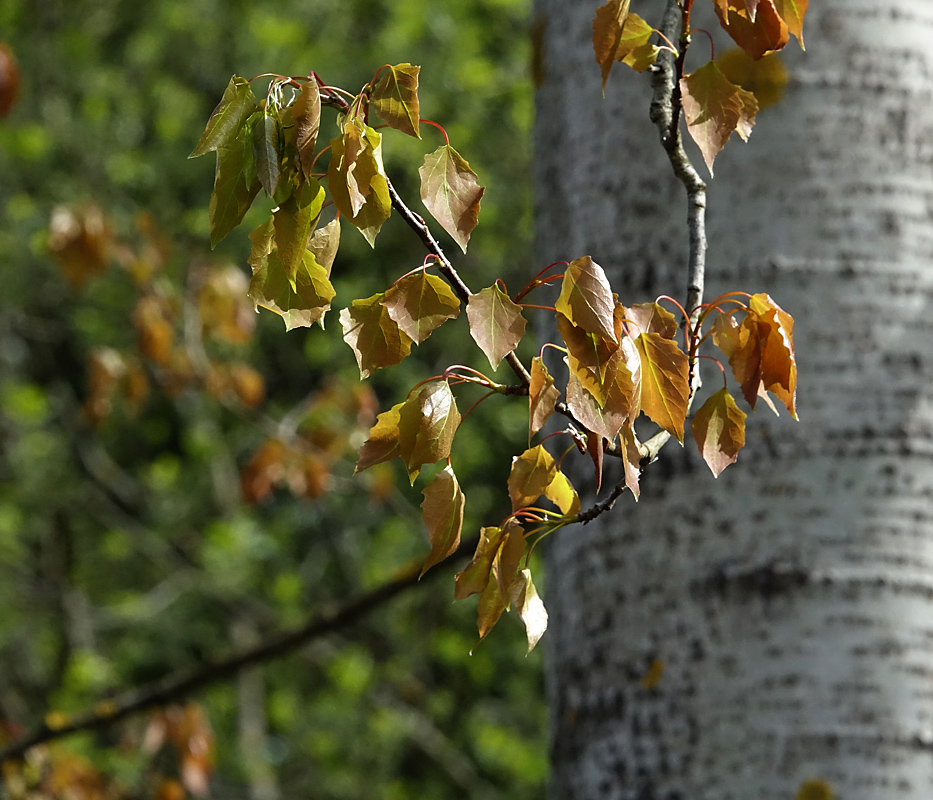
x=714 y=105
x=622 y=361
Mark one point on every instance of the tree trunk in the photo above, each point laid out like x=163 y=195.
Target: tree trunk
x=791 y=601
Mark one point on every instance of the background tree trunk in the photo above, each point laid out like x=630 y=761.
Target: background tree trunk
x=791 y=601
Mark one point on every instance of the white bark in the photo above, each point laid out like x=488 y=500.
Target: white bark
x=791 y=601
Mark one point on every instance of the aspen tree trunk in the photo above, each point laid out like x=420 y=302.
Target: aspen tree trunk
x=791 y=600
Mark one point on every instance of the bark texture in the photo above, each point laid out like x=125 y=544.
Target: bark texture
x=791 y=601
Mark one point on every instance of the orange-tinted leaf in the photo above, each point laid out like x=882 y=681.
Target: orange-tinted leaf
x=757 y=35
x=586 y=298
x=306 y=111
x=427 y=424
x=542 y=395
x=726 y=334
x=293 y=221
x=419 y=303
x=324 y=243
x=793 y=12
x=631 y=461
x=376 y=340
x=607 y=421
x=382 y=444
x=80 y=240
x=155 y=332
x=594 y=447
x=652 y=677
x=9 y=80
x=442 y=511
x=651 y=318
x=765 y=78
x=356 y=179
x=562 y=494
x=227 y=118
x=530 y=609
x=714 y=108
x=778 y=363
x=532 y=472
x=664 y=386
x=450 y=191
x=496 y=323
x=719 y=430
x=395 y=98
x=743 y=346
x=474 y=578
x=608 y=29
x=300 y=302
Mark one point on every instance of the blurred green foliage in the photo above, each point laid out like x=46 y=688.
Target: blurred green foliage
x=128 y=547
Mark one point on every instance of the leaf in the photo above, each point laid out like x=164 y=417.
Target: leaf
x=377 y=205
x=306 y=111
x=496 y=323
x=594 y=447
x=489 y=610
x=531 y=474
x=562 y=494
x=442 y=511
x=427 y=424
x=631 y=461
x=419 y=303
x=530 y=609
x=714 y=108
x=227 y=117
x=719 y=431
x=765 y=78
x=293 y=221
x=382 y=444
x=502 y=576
x=588 y=356
x=265 y=138
x=376 y=340
x=586 y=298
x=793 y=12
x=542 y=396
x=301 y=301
x=232 y=195
x=634 y=49
x=590 y=413
x=815 y=789
x=324 y=243
x=651 y=318
x=9 y=80
x=759 y=34
x=395 y=98
x=778 y=362
x=450 y=191
x=474 y=578
x=608 y=28
x=664 y=385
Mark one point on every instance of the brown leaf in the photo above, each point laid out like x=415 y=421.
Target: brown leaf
x=442 y=511
x=376 y=340
x=496 y=323
x=474 y=578
x=395 y=98
x=719 y=431
x=530 y=609
x=9 y=79
x=306 y=111
x=451 y=192
x=714 y=108
x=594 y=447
x=419 y=303
x=531 y=474
x=631 y=461
x=427 y=424
x=664 y=386
x=650 y=318
x=778 y=363
x=155 y=331
x=223 y=307
x=382 y=444
x=757 y=35
x=608 y=29
x=80 y=240
x=542 y=395
x=586 y=299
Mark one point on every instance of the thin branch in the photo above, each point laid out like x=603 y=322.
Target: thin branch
x=174 y=687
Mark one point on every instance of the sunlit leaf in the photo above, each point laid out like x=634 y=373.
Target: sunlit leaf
x=665 y=384
x=608 y=29
x=496 y=323
x=324 y=243
x=530 y=609
x=427 y=424
x=562 y=494
x=778 y=362
x=815 y=789
x=451 y=192
x=395 y=98
x=793 y=12
x=265 y=141
x=650 y=318
x=634 y=49
x=542 y=395
x=757 y=35
x=227 y=118
x=714 y=108
x=375 y=338
x=306 y=111
x=419 y=303
x=232 y=195
x=382 y=444
x=301 y=301
x=474 y=578
x=367 y=179
x=719 y=430
x=442 y=511
x=531 y=474
x=293 y=221
x=631 y=459
x=586 y=298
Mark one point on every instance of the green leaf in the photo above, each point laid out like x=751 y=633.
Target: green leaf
x=442 y=511
x=382 y=444
x=586 y=298
x=427 y=426
x=496 y=323
x=450 y=191
x=265 y=137
x=395 y=98
x=419 y=303
x=232 y=195
x=324 y=243
x=227 y=118
x=719 y=431
x=374 y=337
x=300 y=301
x=306 y=111
x=294 y=220
x=366 y=179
